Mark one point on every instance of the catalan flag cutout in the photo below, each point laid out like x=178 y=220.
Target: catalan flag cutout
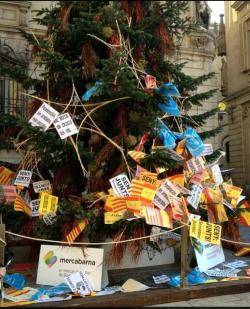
x=20 y=205
x=5 y=175
x=9 y=193
x=157 y=217
x=136 y=155
x=76 y=231
x=115 y=204
x=144 y=191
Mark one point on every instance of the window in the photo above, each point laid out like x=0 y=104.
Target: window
x=12 y=100
x=245 y=45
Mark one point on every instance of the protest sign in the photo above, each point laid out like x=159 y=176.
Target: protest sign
x=23 y=178
x=43 y=185
x=205 y=231
x=195 y=196
x=195 y=165
x=111 y=217
x=65 y=126
x=222 y=273
x=217 y=174
x=34 y=206
x=208 y=150
x=44 y=117
x=48 y=203
x=79 y=283
x=120 y=185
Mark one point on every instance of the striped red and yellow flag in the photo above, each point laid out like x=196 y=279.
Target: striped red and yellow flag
x=177 y=179
x=76 y=231
x=5 y=175
x=20 y=205
x=133 y=204
x=136 y=155
x=157 y=217
x=9 y=193
x=115 y=203
x=143 y=190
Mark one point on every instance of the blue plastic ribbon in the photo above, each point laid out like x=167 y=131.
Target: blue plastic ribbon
x=167 y=90
x=193 y=142
x=88 y=94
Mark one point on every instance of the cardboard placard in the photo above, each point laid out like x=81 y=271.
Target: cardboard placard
x=79 y=283
x=23 y=178
x=34 y=206
x=161 y=199
x=121 y=185
x=65 y=126
x=44 y=117
x=208 y=255
x=195 y=196
x=111 y=217
x=204 y=231
x=43 y=185
x=57 y=262
x=48 y=203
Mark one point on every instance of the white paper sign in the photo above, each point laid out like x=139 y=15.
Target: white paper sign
x=44 y=117
x=79 y=283
x=34 y=206
x=23 y=178
x=195 y=196
x=208 y=255
x=161 y=199
x=43 y=185
x=235 y=264
x=208 y=150
x=120 y=185
x=65 y=126
x=217 y=174
x=50 y=218
x=171 y=235
x=160 y=279
x=222 y=273
x=57 y=262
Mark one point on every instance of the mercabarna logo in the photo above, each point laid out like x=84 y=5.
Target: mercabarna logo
x=49 y=258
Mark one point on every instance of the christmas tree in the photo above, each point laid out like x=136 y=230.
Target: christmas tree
x=108 y=65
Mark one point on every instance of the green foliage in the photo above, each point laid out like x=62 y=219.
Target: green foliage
x=70 y=52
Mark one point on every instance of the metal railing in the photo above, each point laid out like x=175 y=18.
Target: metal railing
x=12 y=100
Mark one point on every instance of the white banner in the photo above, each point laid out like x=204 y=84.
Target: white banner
x=58 y=262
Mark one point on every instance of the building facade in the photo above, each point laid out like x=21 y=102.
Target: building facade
x=236 y=88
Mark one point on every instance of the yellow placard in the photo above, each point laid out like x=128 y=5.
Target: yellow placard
x=148 y=193
x=150 y=178
x=111 y=217
x=207 y=232
x=48 y=203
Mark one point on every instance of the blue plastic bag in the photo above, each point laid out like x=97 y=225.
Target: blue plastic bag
x=59 y=289
x=88 y=94
x=16 y=280
x=170 y=107
x=194 y=142
x=169 y=89
x=166 y=135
